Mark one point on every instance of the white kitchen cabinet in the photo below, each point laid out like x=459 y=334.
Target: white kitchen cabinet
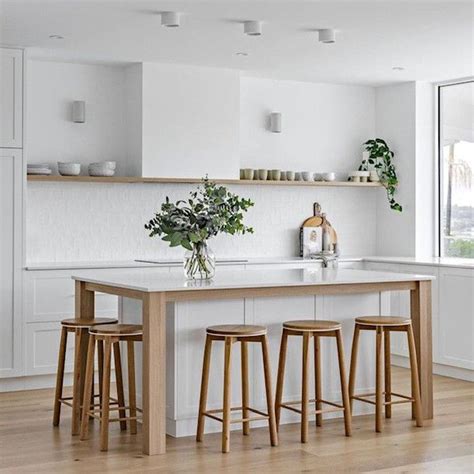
x=11 y=98
x=455 y=338
x=11 y=254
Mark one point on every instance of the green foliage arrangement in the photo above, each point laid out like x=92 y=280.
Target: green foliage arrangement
x=209 y=211
x=380 y=159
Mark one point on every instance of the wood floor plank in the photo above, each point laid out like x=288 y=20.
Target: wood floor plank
x=28 y=442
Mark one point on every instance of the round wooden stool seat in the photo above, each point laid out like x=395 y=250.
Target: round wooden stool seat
x=311 y=325
x=85 y=323
x=236 y=330
x=383 y=321
x=117 y=330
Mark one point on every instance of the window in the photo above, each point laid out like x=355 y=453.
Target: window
x=456 y=170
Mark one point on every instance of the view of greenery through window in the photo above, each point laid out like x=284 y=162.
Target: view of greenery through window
x=457 y=170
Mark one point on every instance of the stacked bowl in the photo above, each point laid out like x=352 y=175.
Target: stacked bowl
x=104 y=168
x=69 y=169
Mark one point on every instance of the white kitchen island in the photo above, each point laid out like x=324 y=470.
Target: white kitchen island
x=247 y=296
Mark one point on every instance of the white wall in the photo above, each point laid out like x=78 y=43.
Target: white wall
x=324 y=125
x=190 y=121
x=51 y=134
x=80 y=222
x=404 y=117
x=395 y=116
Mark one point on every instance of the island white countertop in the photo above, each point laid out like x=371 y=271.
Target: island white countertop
x=156 y=281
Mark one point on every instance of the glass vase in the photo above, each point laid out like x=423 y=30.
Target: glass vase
x=199 y=263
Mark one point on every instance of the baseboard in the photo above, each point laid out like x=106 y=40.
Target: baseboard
x=439 y=369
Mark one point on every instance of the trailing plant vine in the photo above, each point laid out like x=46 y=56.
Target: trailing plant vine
x=380 y=158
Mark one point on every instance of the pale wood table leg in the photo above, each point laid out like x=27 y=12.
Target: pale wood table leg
x=420 y=302
x=84 y=309
x=154 y=373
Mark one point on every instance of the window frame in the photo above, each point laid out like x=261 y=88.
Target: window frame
x=439 y=158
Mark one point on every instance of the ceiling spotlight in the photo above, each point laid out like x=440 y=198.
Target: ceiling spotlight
x=56 y=37
x=253 y=28
x=327 y=35
x=170 y=19
x=241 y=53
x=398 y=68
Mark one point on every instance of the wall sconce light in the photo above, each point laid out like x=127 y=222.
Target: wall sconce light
x=253 y=28
x=78 y=111
x=275 y=122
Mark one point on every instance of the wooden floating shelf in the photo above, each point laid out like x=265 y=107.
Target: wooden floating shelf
x=130 y=179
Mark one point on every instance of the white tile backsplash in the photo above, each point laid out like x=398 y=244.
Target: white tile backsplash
x=69 y=222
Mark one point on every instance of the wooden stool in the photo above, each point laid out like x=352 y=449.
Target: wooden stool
x=229 y=334
x=111 y=335
x=80 y=327
x=383 y=325
x=315 y=329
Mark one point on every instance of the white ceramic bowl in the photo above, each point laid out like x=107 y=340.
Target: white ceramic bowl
x=69 y=169
x=307 y=175
x=104 y=164
x=328 y=176
x=100 y=171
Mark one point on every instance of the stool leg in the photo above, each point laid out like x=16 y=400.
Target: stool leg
x=204 y=385
x=227 y=395
x=281 y=376
x=119 y=380
x=345 y=393
x=317 y=378
x=60 y=377
x=352 y=371
x=132 y=396
x=89 y=381
x=245 y=386
x=104 y=418
x=268 y=390
x=304 y=389
x=77 y=383
x=388 y=373
x=100 y=361
x=378 y=380
x=415 y=383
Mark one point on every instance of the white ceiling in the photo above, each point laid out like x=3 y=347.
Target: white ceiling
x=433 y=41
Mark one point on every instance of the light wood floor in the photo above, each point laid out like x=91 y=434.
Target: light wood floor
x=29 y=443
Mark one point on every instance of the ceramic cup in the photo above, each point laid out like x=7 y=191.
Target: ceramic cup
x=275 y=174
x=290 y=175
x=242 y=173
x=263 y=174
x=248 y=173
x=374 y=176
x=297 y=176
x=282 y=176
x=307 y=175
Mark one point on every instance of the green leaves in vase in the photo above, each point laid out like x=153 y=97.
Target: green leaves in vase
x=209 y=211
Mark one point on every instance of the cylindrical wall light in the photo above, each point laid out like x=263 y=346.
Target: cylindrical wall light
x=253 y=28
x=170 y=19
x=78 y=111
x=275 y=122
x=327 y=36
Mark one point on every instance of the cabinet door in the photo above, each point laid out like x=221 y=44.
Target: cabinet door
x=456 y=317
x=11 y=98
x=11 y=243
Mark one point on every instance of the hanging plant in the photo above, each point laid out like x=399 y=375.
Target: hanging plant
x=380 y=158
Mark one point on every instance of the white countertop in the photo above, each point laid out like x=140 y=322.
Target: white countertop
x=428 y=261
x=170 y=262
x=151 y=281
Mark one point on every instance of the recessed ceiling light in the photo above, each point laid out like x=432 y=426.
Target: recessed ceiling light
x=241 y=53
x=170 y=19
x=253 y=28
x=398 y=68
x=328 y=35
x=56 y=37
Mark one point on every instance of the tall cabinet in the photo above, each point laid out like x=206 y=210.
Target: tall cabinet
x=12 y=185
